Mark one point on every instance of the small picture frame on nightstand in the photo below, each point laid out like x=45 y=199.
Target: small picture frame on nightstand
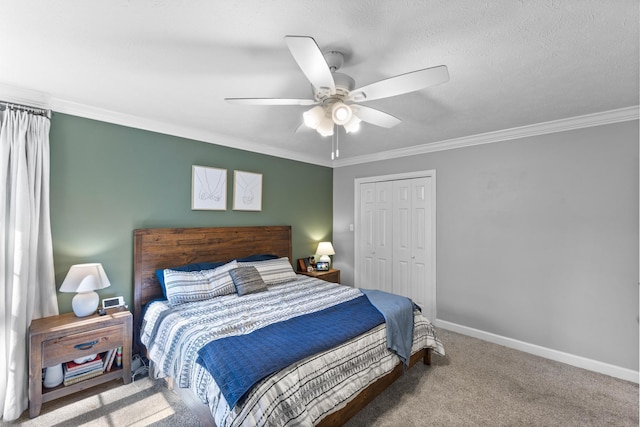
x=322 y=266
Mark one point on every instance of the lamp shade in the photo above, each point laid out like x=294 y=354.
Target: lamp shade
x=85 y=279
x=353 y=125
x=313 y=117
x=325 y=127
x=325 y=248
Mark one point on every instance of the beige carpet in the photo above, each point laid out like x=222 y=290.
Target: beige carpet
x=483 y=384
x=476 y=384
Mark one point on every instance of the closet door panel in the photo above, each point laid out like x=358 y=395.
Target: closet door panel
x=402 y=278
x=383 y=236
x=367 y=234
x=421 y=286
x=402 y=237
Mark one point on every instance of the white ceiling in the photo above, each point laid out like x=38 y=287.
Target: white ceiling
x=166 y=65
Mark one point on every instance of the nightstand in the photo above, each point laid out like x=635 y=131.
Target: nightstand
x=328 y=276
x=59 y=339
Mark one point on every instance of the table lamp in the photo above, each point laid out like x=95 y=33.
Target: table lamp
x=85 y=279
x=324 y=250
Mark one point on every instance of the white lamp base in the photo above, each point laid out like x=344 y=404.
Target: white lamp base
x=327 y=259
x=85 y=303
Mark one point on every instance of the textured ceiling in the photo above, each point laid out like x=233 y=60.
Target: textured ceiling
x=167 y=65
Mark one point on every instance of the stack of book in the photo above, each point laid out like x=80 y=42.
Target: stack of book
x=109 y=358
x=76 y=372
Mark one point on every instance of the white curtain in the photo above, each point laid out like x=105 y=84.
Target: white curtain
x=27 y=283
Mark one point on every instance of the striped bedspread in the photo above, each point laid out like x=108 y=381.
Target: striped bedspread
x=302 y=393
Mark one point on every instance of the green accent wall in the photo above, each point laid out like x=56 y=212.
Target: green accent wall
x=107 y=180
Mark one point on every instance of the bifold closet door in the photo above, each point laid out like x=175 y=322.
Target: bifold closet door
x=395 y=239
x=376 y=209
x=412 y=258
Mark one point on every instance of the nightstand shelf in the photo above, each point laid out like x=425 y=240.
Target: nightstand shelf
x=59 y=339
x=328 y=276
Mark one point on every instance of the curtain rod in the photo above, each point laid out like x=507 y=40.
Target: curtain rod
x=34 y=110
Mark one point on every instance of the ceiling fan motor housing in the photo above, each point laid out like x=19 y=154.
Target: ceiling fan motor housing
x=334 y=59
x=344 y=85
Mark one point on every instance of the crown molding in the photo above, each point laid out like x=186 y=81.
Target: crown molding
x=579 y=122
x=46 y=101
x=129 y=120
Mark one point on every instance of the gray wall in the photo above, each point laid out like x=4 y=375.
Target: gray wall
x=107 y=180
x=537 y=238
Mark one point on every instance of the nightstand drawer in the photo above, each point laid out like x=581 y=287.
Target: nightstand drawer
x=57 y=350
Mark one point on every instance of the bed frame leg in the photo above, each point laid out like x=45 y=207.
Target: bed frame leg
x=427 y=356
x=169 y=382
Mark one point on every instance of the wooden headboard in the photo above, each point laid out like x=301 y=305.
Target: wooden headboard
x=155 y=248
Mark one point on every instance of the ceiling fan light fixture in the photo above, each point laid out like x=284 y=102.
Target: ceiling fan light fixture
x=341 y=113
x=325 y=127
x=353 y=125
x=313 y=117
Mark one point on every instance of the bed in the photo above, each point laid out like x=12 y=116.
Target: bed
x=162 y=248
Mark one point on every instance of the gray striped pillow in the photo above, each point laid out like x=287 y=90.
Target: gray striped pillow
x=189 y=286
x=220 y=280
x=273 y=271
x=247 y=280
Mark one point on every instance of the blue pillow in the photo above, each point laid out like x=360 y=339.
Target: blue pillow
x=189 y=267
x=257 y=257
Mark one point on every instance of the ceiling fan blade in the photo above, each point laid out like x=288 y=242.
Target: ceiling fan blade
x=270 y=101
x=375 y=117
x=401 y=84
x=307 y=54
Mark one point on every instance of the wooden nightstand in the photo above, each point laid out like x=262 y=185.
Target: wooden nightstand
x=58 y=339
x=328 y=276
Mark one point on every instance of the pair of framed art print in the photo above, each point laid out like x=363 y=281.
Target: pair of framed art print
x=209 y=189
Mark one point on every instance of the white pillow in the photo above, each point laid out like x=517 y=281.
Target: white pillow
x=221 y=280
x=189 y=286
x=273 y=271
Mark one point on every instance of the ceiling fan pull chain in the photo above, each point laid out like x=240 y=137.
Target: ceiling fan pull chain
x=333 y=142
x=337 y=142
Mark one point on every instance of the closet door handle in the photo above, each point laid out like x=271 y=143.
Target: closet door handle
x=85 y=345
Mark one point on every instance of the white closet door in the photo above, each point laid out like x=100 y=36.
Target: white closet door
x=375 y=236
x=402 y=237
x=367 y=235
x=412 y=268
x=396 y=240
x=411 y=245
x=384 y=236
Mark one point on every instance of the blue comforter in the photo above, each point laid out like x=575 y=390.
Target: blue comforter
x=238 y=362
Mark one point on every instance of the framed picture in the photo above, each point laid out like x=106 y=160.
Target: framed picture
x=247 y=191
x=322 y=266
x=208 y=188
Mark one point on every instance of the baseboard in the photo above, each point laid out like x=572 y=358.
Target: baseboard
x=559 y=356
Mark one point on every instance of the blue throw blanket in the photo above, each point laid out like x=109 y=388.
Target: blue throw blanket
x=398 y=314
x=238 y=362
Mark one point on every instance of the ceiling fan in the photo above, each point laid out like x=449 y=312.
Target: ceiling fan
x=336 y=100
